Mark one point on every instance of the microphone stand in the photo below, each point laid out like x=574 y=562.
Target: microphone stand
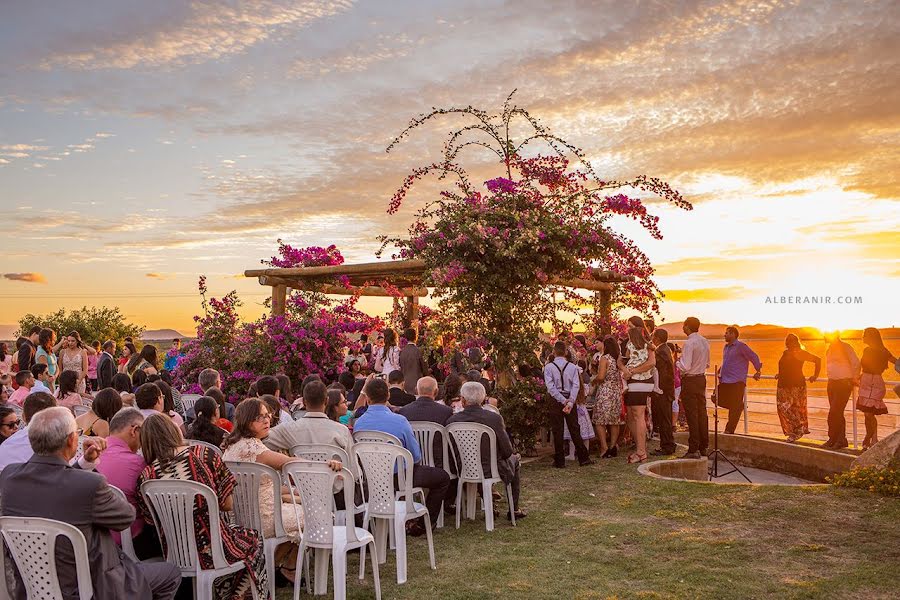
x=716 y=453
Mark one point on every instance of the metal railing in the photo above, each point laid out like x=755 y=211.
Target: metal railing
x=765 y=397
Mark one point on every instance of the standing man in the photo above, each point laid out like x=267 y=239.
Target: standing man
x=106 y=365
x=843 y=368
x=411 y=362
x=693 y=364
x=28 y=348
x=661 y=403
x=173 y=355
x=736 y=357
x=563 y=380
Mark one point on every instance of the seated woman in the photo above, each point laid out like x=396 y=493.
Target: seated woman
x=67 y=390
x=169 y=403
x=121 y=382
x=96 y=422
x=252 y=419
x=168 y=457
x=336 y=406
x=9 y=422
x=205 y=426
x=226 y=409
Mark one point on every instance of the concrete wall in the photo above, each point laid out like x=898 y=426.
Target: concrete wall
x=690 y=469
x=813 y=464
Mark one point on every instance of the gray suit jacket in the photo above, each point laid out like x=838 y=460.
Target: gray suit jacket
x=106 y=370
x=476 y=414
x=413 y=366
x=47 y=487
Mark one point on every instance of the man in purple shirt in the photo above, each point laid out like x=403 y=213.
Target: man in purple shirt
x=736 y=356
x=121 y=465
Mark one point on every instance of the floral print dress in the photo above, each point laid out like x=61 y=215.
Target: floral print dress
x=608 y=408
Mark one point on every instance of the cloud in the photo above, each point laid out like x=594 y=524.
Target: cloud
x=210 y=31
x=27 y=277
x=156 y=276
x=701 y=295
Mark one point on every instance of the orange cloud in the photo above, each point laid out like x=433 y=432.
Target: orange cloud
x=27 y=277
x=156 y=276
x=701 y=295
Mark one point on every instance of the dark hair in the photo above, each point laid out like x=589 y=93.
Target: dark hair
x=611 y=347
x=285 y=389
x=390 y=339
x=147 y=395
x=134 y=357
x=122 y=382
x=410 y=334
x=95 y=344
x=314 y=394
x=692 y=323
x=166 y=376
x=107 y=403
x=395 y=377
x=350 y=366
x=37 y=369
x=335 y=396
x=733 y=329
x=35 y=403
x=45 y=340
x=22 y=377
x=274 y=409
x=377 y=391
x=153 y=378
x=68 y=382
x=5 y=411
x=77 y=337
x=108 y=344
x=149 y=354
x=204 y=427
x=35 y=329
x=308 y=379
x=663 y=335
x=559 y=348
x=452 y=386
x=219 y=396
x=176 y=340
x=159 y=438
x=4 y=350
x=244 y=415
x=267 y=384
x=128 y=339
x=168 y=400
x=139 y=378
x=347 y=380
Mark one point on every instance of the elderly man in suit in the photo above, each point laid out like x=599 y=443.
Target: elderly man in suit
x=106 y=365
x=32 y=489
x=426 y=408
x=473 y=395
x=412 y=364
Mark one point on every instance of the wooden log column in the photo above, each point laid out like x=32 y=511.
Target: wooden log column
x=279 y=299
x=412 y=311
x=603 y=301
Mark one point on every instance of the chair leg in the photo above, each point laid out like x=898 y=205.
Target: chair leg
x=512 y=509
x=459 y=502
x=375 y=573
x=381 y=535
x=400 y=552
x=488 y=499
x=430 y=537
x=471 y=499
x=320 y=585
x=362 y=562
x=339 y=574
x=203 y=588
x=270 y=566
x=440 y=519
x=302 y=562
x=392 y=544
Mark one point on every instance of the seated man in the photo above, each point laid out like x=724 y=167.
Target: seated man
x=473 y=395
x=33 y=489
x=314 y=427
x=379 y=417
x=41 y=378
x=25 y=381
x=427 y=408
x=149 y=399
x=397 y=394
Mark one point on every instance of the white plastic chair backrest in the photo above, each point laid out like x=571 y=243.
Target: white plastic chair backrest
x=315 y=484
x=378 y=461
x=188 y=400
x=80 y=409
x=321 y=453
x=467 y=437
x=127 y=542
x=250 y=477
x=16 y=409
x=376 y=436
x=80 y=450
x=425 y=432
x=215 y=449
x=172 y=504
x=32 y=543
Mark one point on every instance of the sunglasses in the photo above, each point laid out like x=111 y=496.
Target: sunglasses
x=15 y=423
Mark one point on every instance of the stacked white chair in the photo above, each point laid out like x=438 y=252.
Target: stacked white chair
x=125 y=534
x=387 y=509
x=80 y=409
x=171 y=503
x=188 y=400
x=425 y=432
x=467 y=438
x=215 y=449
x=249 y=477
x=315 y=482
x=32 y=543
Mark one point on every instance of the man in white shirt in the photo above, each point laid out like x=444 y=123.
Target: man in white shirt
x=693 y=364
x=314 y=427
x=41 y=378
x=843 y=369
x=563 y=380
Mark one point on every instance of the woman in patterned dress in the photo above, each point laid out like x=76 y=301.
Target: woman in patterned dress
x=870 y=401
x=608 y=408
x=168 y=457
x=74 y=357
x=790 y=395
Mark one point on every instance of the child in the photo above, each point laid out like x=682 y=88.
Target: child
x=584 y=425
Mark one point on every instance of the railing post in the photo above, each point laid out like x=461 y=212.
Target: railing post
x=853 y=395
x=746 y=416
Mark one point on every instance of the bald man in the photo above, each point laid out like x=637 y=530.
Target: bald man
x=427 y=408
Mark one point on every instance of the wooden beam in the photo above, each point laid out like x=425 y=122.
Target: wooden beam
x=340 y=290
x=279 y=299
x=584 y=284
x=374 y=269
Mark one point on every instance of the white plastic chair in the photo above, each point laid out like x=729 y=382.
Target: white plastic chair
x=125 y=534
x=315 y=482
x=80 y=409
x=32 y=543
x=467 y=437
x=171 y=503
x=376 y=436
x=249 y=477
x=188 y=400
x=425 y=431
x=215 y=449
x=378 y=462
x=326 y=452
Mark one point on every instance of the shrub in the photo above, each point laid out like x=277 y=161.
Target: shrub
x=885 y=481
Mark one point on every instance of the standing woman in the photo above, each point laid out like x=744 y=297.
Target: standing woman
x=608 y=407
x=128 y=351
x=870 y=401
x=92 y=365
x=790 y=395
x=74 y=357
x=145 y=361
x=6 y=359
x=45 y=356
x=388 y=360
x=637 y=368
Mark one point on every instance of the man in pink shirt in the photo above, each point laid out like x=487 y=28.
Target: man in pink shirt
x=25 y=381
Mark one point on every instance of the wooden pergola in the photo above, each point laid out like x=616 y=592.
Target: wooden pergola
x=406 y=275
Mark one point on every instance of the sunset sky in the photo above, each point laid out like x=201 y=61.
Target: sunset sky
x=145 y=143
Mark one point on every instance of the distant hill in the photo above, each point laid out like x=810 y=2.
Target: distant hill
x=162 y=334
x=762 y=331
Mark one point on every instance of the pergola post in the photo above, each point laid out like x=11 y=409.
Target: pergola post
x=279 y=299
x=603 y=301
x=412 y=311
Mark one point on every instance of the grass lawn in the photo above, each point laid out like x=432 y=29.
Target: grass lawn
x=607 y=532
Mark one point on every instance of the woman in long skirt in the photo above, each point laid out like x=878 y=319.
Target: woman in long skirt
x=790 y=394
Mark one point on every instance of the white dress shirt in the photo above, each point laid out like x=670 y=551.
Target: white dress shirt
x=17 y=449
x=841 y=361
x=570 y=381
x=695 y=355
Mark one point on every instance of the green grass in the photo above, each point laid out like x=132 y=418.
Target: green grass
x=606 y=532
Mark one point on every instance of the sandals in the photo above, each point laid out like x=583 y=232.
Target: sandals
x=636 y=458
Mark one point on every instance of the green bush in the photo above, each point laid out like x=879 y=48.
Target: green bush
x=91 y=322
x=884 y=481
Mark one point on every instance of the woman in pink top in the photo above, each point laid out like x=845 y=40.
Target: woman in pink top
x=92 y=365
x=67 y=394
